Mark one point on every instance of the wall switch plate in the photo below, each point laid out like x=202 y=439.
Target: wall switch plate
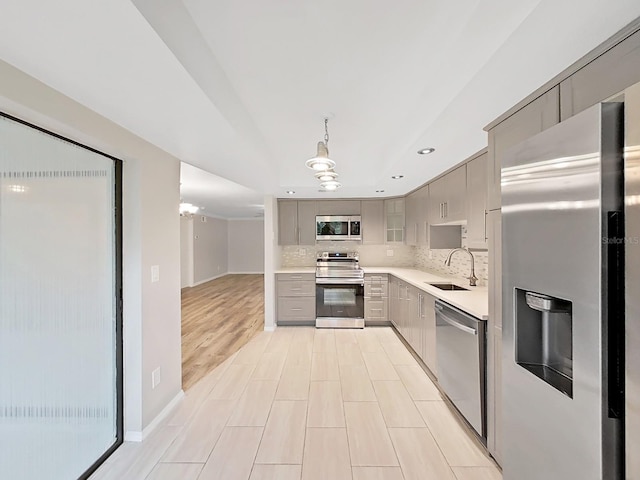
x=155 y=273
x=155 y=378
x=389 y=253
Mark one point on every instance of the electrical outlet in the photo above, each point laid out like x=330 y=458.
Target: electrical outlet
x=389 y=253
x=155 y=273
x=155 y=378
x=302 y=251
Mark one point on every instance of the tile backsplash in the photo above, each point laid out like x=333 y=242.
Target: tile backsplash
x=370 y=255
x=433 y=261
x=420 y=257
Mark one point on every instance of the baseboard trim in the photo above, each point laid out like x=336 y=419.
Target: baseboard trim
x=209 y=279
x=270 y=328
x=246 y=273
x=134 y=436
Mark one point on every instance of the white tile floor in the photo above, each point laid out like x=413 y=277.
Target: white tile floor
x=305 y=404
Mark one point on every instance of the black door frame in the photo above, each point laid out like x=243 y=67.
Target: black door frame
x=117 y=212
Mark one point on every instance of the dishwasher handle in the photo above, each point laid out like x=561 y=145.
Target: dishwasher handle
x=455 y=324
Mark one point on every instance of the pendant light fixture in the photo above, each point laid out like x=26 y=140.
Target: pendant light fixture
x=321 y=162
x=326 y=176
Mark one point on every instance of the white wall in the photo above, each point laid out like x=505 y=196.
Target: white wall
x=210 y=246
x=272 y=255
x=186 y=252
x=246 y=246
x=151 y=236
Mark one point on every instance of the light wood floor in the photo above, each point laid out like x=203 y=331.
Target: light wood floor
x=218 y=318
x=301 y=403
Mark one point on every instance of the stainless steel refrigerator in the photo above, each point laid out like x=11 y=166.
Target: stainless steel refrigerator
x=570 y=250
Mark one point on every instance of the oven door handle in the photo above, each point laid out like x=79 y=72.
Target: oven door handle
x=339 y=281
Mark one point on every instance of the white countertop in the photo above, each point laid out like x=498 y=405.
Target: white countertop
x=474 y=301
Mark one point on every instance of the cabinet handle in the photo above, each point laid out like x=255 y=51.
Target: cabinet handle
x=296 y=309
x=446 y=209
x=298 y=235
x=441 y=209
x=419 y=305
x=486 y=238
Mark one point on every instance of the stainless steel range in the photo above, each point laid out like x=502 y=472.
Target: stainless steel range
x=339 y=290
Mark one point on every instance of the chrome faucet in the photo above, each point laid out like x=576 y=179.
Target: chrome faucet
x=472 y=277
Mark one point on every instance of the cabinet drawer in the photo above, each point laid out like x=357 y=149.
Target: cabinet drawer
x=294 y=309
x=291 y=288
x=376 y=278
x=296 y=277
x=375 y=309
x=376 y=289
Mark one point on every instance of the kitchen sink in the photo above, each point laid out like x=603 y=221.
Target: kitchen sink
x=447 y=286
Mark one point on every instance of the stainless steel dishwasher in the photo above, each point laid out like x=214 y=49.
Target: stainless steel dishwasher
x=460 y=347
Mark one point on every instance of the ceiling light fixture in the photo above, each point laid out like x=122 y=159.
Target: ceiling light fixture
x=379 y=191
x=326 y=176
x=290 y=192
x=426 y=151
x=397 y=177
x=321 y=162
x=187 y=209
x=331 y=185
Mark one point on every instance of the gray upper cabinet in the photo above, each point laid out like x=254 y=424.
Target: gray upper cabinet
x=477 y=202
x=448 y=197
x=338 y=207
x=416 y=206
x=607 y=75
x=535 y=117
x=423 y=215
x=307 y=222
x=296 y=222
x=372 y=225
x=287 y=222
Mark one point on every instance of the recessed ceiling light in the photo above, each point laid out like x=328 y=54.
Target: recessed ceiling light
x=290 y=192
x=397 y=177
x=379 y=191
x=426 y=151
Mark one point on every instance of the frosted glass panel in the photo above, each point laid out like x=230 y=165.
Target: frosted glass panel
x=58 y=403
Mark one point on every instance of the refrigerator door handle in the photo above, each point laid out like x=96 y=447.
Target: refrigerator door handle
x=615 y=314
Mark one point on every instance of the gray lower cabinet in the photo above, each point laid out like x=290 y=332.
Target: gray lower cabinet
x=412 y=314
x=376 y=299
x=296 y=299
x=427 y=319
x=394 y=299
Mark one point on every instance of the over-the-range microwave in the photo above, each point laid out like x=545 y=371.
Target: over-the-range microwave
x=338 y=227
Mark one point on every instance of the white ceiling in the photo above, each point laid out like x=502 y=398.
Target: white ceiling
x=239 y=89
